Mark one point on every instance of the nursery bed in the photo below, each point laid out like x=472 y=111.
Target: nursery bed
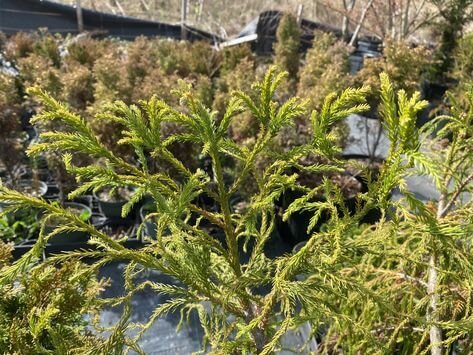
x=127 y=226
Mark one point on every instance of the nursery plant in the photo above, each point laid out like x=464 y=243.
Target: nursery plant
x=42 y=310
x=12 y=138
x=19 y=227
x=380 y=287
x=418 y=260
x=403 y=64
x=287 y=47
x=325 y=69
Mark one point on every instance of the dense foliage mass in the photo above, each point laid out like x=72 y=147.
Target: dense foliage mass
x=223 y=168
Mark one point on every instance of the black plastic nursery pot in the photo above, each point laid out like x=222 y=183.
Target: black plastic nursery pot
x=118 y=229
x=70 y=237
x=29 y=187
x=111 y=209
x=294 y=230
x=33 y=188
x=149 y=225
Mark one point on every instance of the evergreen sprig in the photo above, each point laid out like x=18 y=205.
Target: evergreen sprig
x=390 y=286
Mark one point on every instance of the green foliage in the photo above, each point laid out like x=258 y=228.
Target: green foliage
x=403 y=64
x=286 y=49
x=19 y=46
x=232 y=56
x=42 y=310
x=387 y=287
x=454 y=16
x=237 y=317
x=462 y=71
x=325 y=70
x=11 y=135
x=86 y=51
x=47 y=46
x=20 y=226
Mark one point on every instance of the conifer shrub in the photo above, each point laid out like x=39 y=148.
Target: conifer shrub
x=11 y=136
x=140 y=59
x=78 y=86
x=38 y=70
x=184 y=58
x=230 y=57
x=19 y=46
x=286 y=48
x=42 y=310
x=461 y=72
x=47 y=46
x=325 y=69
x=404 y=65
x=236 y=317
x=111 y=78
x=87 y=50
x=402 y=284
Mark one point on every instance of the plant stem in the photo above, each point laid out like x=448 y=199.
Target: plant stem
x=435 y=331
x=432 y=284
x=227 y=218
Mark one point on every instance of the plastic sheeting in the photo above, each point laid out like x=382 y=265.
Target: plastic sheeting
x=29 y=15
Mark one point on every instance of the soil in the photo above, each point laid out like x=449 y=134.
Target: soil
x=34 y=191
x=119 y=195
x=118 y=232
x=58 y=221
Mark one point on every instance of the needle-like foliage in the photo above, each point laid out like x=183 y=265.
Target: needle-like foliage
x=368 y=286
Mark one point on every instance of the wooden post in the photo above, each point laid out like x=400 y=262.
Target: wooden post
x=201 y=8
x=80 y=19
x=183 y=19
x=315 y=8
x=300 y=10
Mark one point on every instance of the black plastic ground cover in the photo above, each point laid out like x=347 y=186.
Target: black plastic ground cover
x=267 y=24
x=29 y=15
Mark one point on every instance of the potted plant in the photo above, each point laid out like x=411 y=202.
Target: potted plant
x=12 y=138
x=60 y=293
x=401 y=285
x=148 y=216
x=189 y=246
x=83 y=212
x=19 y=227
x=112 y=200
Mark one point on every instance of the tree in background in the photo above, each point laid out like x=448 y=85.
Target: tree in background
x=287 y=47
x=454 y=15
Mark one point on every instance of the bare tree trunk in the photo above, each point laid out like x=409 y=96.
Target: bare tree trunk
x=432 y=283
x=120 y=8
x=201 y=9
x=360 y=22
x=145 y=6
x=405 y=17
x=348 y=6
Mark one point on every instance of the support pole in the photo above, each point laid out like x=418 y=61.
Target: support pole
x=80 y=19
x=300 y=10
x=183 y=19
